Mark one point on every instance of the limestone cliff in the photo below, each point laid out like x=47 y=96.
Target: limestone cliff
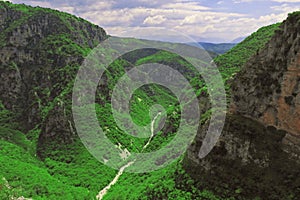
x=268 y=87
x=257 y=156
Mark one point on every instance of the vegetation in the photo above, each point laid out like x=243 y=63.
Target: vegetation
x=23 y=174
x=171 y=182
x=242 y=52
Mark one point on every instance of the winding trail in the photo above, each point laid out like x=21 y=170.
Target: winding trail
x=152 y=130
x=121 y=170
x=104 y=190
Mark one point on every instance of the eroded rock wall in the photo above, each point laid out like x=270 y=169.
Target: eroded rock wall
x=268 y=87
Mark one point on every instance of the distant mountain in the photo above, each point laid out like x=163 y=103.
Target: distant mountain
x=217 y=48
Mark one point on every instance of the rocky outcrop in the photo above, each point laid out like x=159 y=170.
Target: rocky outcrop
x=40 y=51
x=267 y=89
x=247 y=162
x=257 y=155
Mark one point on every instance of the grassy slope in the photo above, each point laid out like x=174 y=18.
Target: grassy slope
x=241 y=53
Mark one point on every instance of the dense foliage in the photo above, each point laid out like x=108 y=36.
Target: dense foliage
x=241 y=53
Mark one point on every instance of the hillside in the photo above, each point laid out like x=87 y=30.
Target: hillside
x=241 y=53
x=214 y=49
x=40 y=49
x=274 y=81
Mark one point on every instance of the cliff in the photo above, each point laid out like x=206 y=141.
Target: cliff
x=40 y=52
x=257 y=154
x=267 y=89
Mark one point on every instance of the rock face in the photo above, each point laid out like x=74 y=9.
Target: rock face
x=40 y=51
x=258 y=152
x=247 y=162
x=268 y=87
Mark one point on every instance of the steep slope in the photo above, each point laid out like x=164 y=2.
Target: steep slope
x=22 y=174
x=40 y=48
x=271 y=80
x=241 y=53
x=252 y=159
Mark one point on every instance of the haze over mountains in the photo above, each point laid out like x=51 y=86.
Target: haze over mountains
x=218 y=48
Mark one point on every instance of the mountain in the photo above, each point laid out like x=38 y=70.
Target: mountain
x=220 y=48
x=257 y=156
x=34 y=42
x=215 y=48
x=273 y=84
x=39 y=51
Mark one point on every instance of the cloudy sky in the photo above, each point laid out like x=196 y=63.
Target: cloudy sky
x=202 y=20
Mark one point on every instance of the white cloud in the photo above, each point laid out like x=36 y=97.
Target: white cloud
x=68 y=9
x=243 y=1
x=35 y=3
x=208 y=18
x=186 y=16
x=185 y=19
x=285 y=8
x=120 y=17
x=287 y=1
x=234 y=28
x=154 y=20
x=191 y=6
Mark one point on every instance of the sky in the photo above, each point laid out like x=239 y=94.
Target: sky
x=202 y=20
